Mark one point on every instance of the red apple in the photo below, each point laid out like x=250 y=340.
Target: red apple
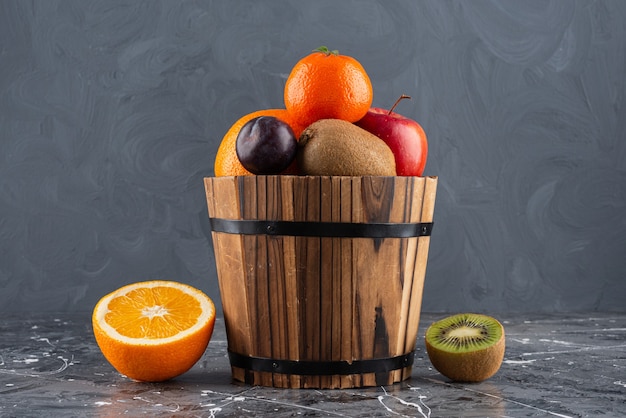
x=403 y=135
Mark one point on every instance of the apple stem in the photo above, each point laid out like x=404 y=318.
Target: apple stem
x=404 y=96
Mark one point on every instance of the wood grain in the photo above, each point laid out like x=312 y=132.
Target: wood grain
x=321 y=299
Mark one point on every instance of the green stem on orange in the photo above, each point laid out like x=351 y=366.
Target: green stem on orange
x=404 y=96
x=324 y=50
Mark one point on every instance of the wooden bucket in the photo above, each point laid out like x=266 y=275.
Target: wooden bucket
x=321 y=278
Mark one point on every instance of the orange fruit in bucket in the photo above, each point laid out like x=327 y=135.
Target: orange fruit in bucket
x=326 y=85
x=153 y=331
x=226 y=161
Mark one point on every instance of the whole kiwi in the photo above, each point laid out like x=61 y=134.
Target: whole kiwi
x=334 y=147
x=466 y=347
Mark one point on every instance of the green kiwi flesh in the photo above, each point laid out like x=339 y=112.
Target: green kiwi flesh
x=466 y=347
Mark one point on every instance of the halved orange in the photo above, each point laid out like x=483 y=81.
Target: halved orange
x=153 y=331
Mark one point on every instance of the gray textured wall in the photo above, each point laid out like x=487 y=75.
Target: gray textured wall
x=111 y=113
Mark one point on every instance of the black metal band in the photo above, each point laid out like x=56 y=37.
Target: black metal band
x=321 y=368
x=321 y=229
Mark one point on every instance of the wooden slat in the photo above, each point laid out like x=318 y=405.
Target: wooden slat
x=276 y=278
x=413 y=211
x=307 y=208
x=347 y=281
x=326 y=281
x=223 y=202
x=257 y=274
x=336 y=274
x=292 y=306
x=415 y=305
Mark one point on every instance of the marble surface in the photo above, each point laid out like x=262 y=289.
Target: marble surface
x=565 y=366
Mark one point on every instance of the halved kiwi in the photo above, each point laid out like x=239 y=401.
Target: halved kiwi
x=466 y=347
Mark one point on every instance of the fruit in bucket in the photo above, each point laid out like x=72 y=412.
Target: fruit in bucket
x=334 y=147
x=226 y=161
x=266 y=145
x=404 y=136
x=324 y=85
x=327 y=85
x=466 y=347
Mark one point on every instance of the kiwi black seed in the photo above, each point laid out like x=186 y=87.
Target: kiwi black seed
x=466 y=347
x=334 y=147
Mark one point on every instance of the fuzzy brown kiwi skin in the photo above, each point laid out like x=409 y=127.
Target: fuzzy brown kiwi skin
x=334 y=147
x=474 y=366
